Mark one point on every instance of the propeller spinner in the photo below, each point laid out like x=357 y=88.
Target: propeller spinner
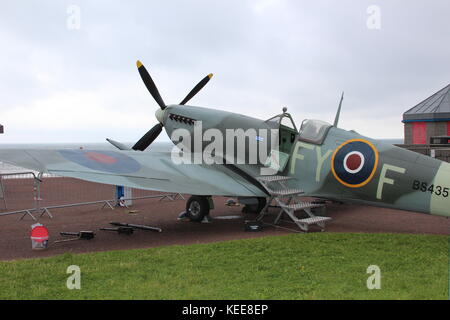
x=154 y=132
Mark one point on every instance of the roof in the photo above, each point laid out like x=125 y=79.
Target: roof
x=435 y=107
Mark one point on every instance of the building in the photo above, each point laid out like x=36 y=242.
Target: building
x=430 y=118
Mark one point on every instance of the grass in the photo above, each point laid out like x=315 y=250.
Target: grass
x=297 y=266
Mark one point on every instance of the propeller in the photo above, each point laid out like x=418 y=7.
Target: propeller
x=148 y=138
x=197 y=88
x=148 y=81
x=154 y=132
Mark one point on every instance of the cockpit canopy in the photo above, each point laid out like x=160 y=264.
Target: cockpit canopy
x=284 y=119
x=287 y=131
x=314 y=131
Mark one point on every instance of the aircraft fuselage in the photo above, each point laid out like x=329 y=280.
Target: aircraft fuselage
x=399 y=178
x=343 y=165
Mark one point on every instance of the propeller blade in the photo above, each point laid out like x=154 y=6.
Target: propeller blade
x=148 y=81
x=117 y=144
x=148 y=138
x=197 y=88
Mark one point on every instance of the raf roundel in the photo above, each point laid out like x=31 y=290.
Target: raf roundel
x=103 y=160
x=354 y=163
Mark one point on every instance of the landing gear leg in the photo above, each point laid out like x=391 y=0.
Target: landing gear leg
x=197 y=208
x=255 y=208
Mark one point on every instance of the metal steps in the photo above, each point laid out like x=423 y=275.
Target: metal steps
x=289 y=200
x=302 y=205
x=285 y=192
x=306 y=222
x=313 y=220
x=273 y=178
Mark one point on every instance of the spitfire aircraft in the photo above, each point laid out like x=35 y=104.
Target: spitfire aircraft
x=318 y=161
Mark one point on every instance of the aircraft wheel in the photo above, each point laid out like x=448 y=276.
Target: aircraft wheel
x=255 y=208
x=197 y=207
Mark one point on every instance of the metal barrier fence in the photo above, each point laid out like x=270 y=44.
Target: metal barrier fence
x=33 y=194
x=438 y=151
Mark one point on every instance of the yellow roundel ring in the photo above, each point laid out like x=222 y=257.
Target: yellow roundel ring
x=354 y=163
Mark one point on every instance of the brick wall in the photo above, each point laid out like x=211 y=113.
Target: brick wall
x=440 y=128
x=408 y=133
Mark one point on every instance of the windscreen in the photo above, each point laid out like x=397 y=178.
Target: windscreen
x=314 y=131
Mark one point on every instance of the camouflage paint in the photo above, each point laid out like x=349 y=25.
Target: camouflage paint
x=400 y=179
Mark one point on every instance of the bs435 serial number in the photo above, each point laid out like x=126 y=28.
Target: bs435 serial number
x=433 y=189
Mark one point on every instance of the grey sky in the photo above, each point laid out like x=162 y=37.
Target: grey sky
x=61 y=85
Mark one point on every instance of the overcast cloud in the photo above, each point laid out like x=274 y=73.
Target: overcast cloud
x=81 y=85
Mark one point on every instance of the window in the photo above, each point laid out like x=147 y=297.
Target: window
x=314 y=131
x=287 y=122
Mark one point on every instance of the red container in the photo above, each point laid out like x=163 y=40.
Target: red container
x=39 y=237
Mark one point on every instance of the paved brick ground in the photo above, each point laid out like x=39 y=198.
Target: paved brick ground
x=15 y=242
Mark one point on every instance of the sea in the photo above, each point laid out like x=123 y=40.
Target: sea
x=6 y=168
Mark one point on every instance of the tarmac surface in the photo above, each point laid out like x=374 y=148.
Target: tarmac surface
x=227 y=224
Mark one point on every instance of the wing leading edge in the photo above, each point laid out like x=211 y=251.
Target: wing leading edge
x=143 y=170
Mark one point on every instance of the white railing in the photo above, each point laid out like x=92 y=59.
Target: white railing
x=9 y=171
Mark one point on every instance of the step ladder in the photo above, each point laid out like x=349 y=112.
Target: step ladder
x=290 y=201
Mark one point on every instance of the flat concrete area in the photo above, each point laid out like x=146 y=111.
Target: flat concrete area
x=16 y=244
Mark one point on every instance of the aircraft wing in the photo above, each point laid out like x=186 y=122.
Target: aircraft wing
x=143 y=170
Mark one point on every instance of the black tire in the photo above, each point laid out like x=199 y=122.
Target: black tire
x=255 y=208
x=197 y=207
